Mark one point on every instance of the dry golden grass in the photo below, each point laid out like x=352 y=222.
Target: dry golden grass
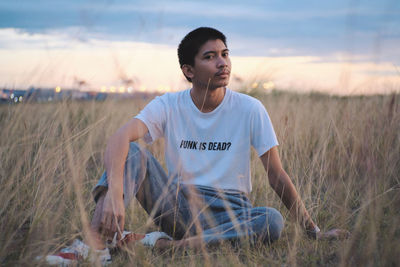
x=343 y=155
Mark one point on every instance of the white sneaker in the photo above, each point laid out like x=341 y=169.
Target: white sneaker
x=78 y=251
x=148 y=240
x=151 y=238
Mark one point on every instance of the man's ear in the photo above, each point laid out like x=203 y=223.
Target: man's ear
x=187 y=70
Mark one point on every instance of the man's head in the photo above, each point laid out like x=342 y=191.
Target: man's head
x=193 y=41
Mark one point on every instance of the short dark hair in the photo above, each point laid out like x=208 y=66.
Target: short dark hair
x=191 y=43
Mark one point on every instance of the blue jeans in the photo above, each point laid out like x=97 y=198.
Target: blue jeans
x=185 y=210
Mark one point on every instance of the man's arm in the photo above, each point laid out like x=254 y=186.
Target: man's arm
x=113 y=215
x=283 y=186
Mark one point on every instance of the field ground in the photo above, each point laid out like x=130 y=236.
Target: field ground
x=342 y=153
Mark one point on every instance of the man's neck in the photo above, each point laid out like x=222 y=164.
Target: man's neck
x=207 y=100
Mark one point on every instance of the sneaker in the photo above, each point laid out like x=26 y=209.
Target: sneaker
x=76 y=252
x=126 y=238
x=148 y=240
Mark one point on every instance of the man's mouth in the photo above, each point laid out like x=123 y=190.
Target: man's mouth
x=223 y=73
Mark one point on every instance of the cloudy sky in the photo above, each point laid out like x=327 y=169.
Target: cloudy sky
x=343 y=46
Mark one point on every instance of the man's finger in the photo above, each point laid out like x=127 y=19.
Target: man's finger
x=113 y=227
x=344 y=234
x=112 y=224
x=108 y=222
x=103 y=224
x=103 y=228
x=336 y=234
x=107 y=225
x=121 y=223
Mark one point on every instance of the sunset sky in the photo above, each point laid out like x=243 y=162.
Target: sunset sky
x=346 y=47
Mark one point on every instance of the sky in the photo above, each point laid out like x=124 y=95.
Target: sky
x=342 y=46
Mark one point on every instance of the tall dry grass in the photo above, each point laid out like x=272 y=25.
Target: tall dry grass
x=343 y=155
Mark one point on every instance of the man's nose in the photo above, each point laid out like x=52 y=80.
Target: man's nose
x=222 y=62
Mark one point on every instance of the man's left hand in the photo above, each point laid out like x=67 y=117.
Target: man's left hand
x=333 y=234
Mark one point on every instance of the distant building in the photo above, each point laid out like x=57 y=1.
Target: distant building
x=40 y=95
x=48 y=95
x=12 y=96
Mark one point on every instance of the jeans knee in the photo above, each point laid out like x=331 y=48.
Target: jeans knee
x=267 y=224
x=275 y=224
x=134 y=147
x=135 y=153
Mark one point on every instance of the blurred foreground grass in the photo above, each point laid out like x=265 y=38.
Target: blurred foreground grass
x=343 y=154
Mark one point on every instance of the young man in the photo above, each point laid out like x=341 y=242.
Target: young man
x=208 y=131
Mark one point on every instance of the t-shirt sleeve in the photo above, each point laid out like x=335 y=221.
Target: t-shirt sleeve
x=263 y=136
x=153 y=115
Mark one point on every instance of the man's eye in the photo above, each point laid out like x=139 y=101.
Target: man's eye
x=208 y=57
x=226 y=54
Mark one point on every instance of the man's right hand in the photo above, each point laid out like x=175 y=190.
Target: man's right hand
x=113 y=216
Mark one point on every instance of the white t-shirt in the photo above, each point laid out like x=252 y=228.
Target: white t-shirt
x=210 y=149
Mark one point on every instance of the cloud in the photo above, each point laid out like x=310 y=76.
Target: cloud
x=264 y=28
x=104 y=63
x=331 y=32
x=14 y=39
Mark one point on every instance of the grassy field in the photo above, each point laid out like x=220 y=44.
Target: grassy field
x=343 y=154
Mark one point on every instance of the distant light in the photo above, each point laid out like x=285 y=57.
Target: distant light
x=58 y=89
x=112 y=89
x=16 y=99
x=121 y=89
x=142 y=88
x=254 y=85
x=268 y=85
x=130 y=89
x=12 y=96
x=103 y=89
x=20 y=99
x=160 y=88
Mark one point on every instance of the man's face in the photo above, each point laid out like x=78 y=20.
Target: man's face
x=212 y=65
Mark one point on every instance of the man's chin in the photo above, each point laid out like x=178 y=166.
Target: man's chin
x=221 y=84
x=213 y=88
